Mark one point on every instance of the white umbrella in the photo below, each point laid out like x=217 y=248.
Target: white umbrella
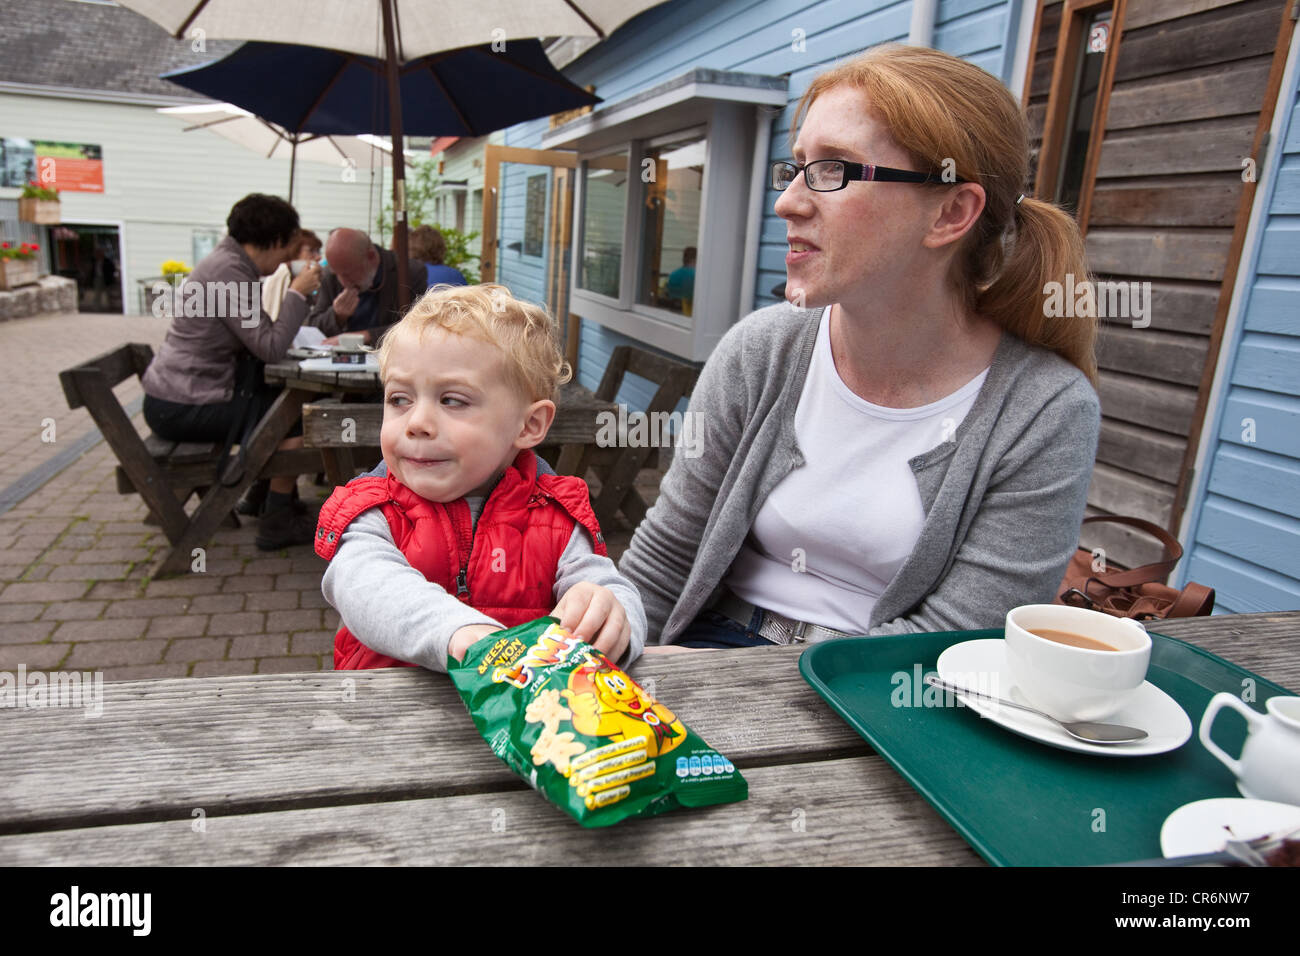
x=357 y=26
x=393 y=30
x=272 y=141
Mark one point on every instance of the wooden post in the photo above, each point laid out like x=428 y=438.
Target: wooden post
x=399 y=164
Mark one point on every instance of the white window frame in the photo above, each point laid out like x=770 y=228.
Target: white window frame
x=723 y=108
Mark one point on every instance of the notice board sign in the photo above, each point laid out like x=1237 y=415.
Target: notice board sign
x=67 y=167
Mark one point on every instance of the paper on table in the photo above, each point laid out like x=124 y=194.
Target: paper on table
x=308 y=336
x=327 y=364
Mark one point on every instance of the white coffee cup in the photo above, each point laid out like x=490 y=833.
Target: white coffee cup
x=1269 y=768
x=1076 y=683
x=352 y=341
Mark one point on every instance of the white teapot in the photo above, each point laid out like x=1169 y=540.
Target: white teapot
x=1269 y=767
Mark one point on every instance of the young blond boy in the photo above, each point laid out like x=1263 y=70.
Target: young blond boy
x=463 y=535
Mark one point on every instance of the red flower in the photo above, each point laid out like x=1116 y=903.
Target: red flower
x=34 y=247
x=4 y=245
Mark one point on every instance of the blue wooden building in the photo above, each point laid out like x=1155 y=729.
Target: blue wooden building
x=1243 y=529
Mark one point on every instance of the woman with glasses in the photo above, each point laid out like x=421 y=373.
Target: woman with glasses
x=905 y=445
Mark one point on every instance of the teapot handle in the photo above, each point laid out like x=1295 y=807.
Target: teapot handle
x=1217 y=703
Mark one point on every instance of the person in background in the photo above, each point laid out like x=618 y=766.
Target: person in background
x=359 y=292
x=190 y=386
x=276 y=285
x=429 y=246
x=681 y=283
x=103 y=275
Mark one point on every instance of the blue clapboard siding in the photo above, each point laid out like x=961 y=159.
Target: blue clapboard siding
x=1254 y=416
x=751 y=36
x=1248 y=587
x=1244 y=530
x=979 y=31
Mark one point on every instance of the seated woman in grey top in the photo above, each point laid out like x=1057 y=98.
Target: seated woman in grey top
x=906 y=445
x=218 y=327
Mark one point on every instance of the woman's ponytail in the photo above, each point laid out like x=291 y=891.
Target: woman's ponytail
x=1046 y=247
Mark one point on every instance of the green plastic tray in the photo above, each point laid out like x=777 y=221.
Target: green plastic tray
x=1018 y=802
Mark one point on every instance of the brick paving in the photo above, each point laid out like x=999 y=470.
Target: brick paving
x=75 y=556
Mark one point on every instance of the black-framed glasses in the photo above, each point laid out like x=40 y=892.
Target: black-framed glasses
x=829 y=175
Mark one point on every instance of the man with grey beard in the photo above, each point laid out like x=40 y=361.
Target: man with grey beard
x=359 y=293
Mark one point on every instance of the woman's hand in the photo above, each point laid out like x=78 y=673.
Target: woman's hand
x=592 y=613
x=308 y=281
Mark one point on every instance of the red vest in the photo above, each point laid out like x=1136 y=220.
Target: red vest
x=505 y=567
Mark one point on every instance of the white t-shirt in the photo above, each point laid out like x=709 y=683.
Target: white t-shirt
x=832 y=535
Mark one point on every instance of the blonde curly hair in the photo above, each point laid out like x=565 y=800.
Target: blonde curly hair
x=525 y=333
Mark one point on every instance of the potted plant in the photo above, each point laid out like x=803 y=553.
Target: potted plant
x=173 y=274
x=18 y=265
x=40 y=204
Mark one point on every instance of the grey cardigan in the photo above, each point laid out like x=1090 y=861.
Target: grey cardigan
x=196 y=364
x=1003 y=500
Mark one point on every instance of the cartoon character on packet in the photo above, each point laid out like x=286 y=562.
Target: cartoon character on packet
x=607 y=703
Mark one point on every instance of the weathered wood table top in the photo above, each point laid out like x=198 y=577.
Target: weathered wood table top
x=345 y=378
x=378 y=767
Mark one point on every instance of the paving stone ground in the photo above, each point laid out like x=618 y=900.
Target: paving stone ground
x=75 y=556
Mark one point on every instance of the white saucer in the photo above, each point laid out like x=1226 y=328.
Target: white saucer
x=1199 y=827
x=982 y=665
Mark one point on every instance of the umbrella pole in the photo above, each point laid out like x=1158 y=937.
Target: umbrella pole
x=399 y=165
x=293 y=162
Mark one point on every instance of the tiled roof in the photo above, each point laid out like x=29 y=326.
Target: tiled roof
x=93 y=46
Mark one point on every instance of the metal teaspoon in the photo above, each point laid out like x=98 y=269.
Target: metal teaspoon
x=1089 y=731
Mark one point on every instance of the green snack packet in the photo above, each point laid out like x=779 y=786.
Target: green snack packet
x=583 y=732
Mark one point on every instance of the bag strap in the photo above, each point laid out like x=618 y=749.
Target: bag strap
x=1195 y=600
x=1147 y=573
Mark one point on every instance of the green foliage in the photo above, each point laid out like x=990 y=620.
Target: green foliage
x=422 y=182
x=34 y=190
x=460 y=254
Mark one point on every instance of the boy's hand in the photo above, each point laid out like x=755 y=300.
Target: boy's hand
x=465 y=637
x=592 y=613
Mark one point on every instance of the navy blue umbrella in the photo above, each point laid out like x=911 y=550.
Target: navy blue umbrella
x=471 y=91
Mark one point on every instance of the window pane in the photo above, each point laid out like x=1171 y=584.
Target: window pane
x=1096 y=41
x=672 y=223
x=604 y=205
x=534 y=215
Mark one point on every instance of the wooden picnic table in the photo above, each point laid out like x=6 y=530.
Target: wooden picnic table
x=576 y=424
x=382 y=767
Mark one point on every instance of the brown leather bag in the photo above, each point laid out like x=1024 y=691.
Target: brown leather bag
x=1139 y=593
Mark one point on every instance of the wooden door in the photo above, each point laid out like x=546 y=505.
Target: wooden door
x=560 y=232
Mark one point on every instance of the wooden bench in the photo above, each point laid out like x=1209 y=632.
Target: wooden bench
x=164 y=473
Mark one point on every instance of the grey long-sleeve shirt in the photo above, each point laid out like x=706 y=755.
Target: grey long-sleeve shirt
x=391 y=608
x=1003 y=501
